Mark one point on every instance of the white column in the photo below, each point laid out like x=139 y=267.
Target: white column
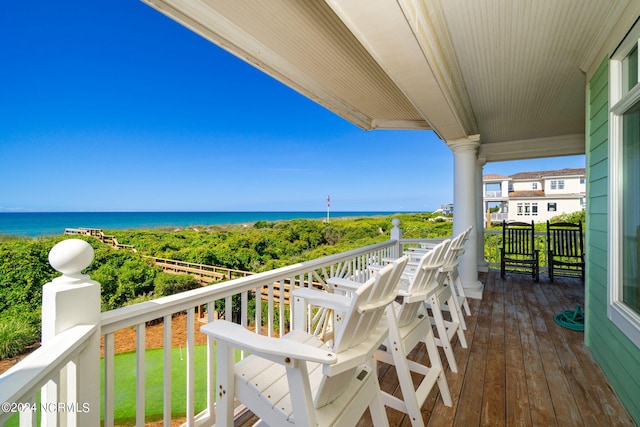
x=465 y=209
x=481 y=209
x=70 y=300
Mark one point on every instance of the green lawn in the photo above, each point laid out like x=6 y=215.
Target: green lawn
x=125 y=385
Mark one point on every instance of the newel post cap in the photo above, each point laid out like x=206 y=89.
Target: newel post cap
x=70 y=257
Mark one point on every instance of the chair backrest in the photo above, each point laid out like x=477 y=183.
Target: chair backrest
x=362 y=319
x=424 y=280
x=565 y=239
x=457 y=248
x=368 y=304
x=518 y=238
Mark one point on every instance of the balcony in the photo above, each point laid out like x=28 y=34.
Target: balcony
x=520 y=367
x=493 y=194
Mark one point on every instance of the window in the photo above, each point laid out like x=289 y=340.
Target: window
x=624 y=188
x=557 y=184
x=534 y=186
x=527 y=209
x=582 y=180
x=551 y=207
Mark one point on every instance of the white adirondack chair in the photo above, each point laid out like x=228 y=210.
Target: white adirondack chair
x=300 y=380
x=451 y=268
x=443 y=299
x=408 y=326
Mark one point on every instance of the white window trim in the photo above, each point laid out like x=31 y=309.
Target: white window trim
x=620 y=314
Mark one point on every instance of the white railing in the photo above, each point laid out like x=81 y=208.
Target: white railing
x=234 y=299
x=244 y=292
x=52 y=368
x=499 y=217
x=58 y=384
x=492 y=194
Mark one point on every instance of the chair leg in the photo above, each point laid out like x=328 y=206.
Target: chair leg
x=457 y=285
x=225 y=385
x=436 y=363
x=443 y=336
x=456 y=317
x=376 y=408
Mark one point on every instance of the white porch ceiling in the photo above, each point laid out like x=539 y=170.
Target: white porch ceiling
x=509 y=70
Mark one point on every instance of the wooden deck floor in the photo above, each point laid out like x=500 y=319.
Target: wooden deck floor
x=520 y=368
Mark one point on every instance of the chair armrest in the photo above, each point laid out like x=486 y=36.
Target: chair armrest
x=322 y=298
x=343 y=284
x=278 y=350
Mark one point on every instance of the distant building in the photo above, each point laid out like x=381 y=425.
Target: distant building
x=446 y=209
x=536 y=196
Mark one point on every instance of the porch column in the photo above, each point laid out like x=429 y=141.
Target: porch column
x=483 y=265
x=465 y=209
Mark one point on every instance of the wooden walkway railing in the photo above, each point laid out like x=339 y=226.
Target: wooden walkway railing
x=204 y=274
x=99 y=234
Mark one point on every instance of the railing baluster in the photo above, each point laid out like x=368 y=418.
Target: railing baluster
x=211 y=385
x=28 y=418
x=108 y=381
x=270 y=313
x=258 y=318
x=190 y=367
x=140 y=373
x=167 y=370
x=281 y=299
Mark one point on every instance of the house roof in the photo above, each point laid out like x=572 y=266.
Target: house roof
x=528 y=193
x=494 y=177
x=511 y=72
x=539 y=175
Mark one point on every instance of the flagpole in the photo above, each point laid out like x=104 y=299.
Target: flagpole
x=328 y=207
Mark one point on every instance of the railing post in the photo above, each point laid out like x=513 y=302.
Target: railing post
x=396 y=234
x=67 y=301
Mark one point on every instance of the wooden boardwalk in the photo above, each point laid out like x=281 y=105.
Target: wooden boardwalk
x=521 y=368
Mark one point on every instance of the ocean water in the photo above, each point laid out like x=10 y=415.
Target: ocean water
x=35 y=224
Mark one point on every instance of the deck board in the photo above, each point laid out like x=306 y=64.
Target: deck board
x=521 y=368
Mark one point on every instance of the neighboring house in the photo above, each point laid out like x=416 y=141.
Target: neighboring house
x=534 y=196
x=446 y=209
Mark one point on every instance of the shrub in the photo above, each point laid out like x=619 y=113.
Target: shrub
x=169 y=284
x=15 y=336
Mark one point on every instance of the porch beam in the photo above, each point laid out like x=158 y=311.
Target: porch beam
x=465 y=165
x=535 y=148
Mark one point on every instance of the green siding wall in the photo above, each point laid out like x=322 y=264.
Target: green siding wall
x=617 y=356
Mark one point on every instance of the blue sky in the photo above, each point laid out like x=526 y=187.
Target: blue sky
x=107 y=105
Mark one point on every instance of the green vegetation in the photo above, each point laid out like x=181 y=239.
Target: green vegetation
x=128 y=278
